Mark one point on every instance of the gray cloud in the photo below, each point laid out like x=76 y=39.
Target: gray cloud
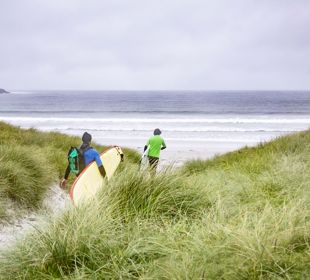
x=192 y=44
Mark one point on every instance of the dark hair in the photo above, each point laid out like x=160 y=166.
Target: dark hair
x=157 y=131
x=86 y=138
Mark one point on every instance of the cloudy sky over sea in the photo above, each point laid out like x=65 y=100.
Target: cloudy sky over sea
x=171 y=44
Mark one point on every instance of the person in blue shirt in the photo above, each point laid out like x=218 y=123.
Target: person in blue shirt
x=89 y=155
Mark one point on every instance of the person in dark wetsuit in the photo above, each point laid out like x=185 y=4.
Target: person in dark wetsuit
x=89 y=154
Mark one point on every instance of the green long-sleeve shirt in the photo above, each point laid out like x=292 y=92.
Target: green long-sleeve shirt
x=155 y=144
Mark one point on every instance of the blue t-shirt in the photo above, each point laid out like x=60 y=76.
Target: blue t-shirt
x=92 y=155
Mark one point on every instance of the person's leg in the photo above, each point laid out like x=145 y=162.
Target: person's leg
x=153 y=163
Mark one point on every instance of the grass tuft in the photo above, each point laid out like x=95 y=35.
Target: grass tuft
x=136 y=194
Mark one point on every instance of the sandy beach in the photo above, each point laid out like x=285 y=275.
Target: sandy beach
x=179 y=151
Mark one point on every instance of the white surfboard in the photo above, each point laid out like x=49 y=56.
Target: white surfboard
x=144 y=162
x=87 y=184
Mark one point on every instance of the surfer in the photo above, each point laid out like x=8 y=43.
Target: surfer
x=87 y=155
x=155 y=144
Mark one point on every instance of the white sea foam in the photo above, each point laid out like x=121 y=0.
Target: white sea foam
x=218 y=129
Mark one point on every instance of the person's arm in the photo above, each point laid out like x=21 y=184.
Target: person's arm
x=102 y=171
x=163 y=145
x=100 y=165
x=146 y=145
x=63 y=182
x=67 y=173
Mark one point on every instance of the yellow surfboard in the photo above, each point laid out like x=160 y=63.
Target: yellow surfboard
x=90 y=180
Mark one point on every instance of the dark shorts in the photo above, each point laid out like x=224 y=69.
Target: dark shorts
x=153 y=162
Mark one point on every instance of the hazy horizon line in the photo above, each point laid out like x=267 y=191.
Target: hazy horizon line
x=163 y=90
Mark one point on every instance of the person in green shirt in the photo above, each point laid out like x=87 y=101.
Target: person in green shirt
x=155 y=144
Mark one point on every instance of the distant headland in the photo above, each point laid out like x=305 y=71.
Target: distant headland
x=3 y=90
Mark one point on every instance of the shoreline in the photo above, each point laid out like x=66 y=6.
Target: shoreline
x=179 y=150
x=181 y=146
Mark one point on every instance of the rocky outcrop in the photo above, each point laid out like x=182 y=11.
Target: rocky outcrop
x=3 y=91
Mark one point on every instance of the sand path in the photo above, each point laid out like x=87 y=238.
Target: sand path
x=55 y=202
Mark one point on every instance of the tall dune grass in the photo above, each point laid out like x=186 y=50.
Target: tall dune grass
x=56 y=145
x=30 y=161
x=26 y=173
x=243 y=215
x=133 y=194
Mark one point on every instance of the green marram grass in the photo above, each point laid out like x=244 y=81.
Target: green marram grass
x=243 y=215
x=24 y=174
x=30 y=161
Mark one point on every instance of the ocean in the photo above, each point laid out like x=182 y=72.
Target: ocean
x=195 y=124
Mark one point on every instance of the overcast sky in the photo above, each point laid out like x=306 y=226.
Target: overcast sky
x=160 y=44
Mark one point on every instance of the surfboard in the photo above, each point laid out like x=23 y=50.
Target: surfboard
x=144 y=163
x=87 y=184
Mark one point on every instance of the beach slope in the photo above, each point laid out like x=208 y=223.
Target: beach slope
x=243 y=215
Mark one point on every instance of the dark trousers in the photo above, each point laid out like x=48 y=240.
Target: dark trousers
x=153 y=162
